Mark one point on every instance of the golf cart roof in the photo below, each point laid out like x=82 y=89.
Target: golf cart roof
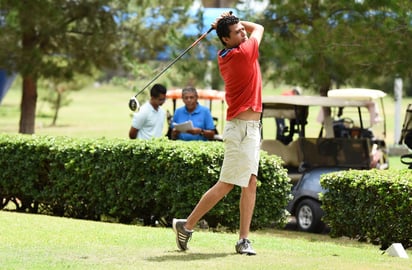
x=290 y=106
x=283 y=101
x=208 y=94
x=357 y=93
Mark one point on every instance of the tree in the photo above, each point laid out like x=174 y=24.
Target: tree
x=58 y=38
x=56 y=97
x=56 y=92
x=316 y=43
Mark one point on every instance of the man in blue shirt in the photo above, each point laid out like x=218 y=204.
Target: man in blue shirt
x=202 y=121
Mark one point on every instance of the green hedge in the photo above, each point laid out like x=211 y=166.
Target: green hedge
x=127 y=180
x=372 y=205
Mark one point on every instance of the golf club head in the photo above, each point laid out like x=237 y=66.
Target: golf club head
x=133 y=103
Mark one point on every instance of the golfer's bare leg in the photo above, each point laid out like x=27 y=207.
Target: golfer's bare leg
x=247 y=205
x=208 y=200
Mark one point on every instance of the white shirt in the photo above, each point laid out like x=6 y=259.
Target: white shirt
x=149 y=122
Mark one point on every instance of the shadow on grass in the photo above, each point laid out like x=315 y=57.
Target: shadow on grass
x=182 y=256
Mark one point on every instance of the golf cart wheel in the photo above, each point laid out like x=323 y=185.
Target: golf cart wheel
x=308 y=216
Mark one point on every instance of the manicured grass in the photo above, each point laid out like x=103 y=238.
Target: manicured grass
x=44 y=242
x=93 y=112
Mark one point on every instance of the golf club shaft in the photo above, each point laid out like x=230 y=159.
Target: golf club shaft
x=175 y=60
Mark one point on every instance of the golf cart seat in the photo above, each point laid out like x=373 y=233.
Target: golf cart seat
x=288 y=153
x=335 y=152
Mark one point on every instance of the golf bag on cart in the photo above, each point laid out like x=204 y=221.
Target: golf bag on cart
x=406 y=136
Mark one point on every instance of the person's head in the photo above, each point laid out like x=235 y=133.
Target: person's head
x=157 y=95
x=189 y=97
x=297 y=91
x=230 y=31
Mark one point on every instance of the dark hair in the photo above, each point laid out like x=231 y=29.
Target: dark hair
x=157 y=90
x=189 y=89
x=222 y=28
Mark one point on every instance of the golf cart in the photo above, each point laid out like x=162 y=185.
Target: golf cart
x=208 y=95
x=345 y=140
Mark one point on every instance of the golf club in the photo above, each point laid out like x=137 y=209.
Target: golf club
x=133 y=103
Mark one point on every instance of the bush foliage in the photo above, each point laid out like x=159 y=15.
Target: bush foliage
x=371 y=205
x=125 y=180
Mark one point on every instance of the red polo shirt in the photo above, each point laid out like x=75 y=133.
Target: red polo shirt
x=240 y=71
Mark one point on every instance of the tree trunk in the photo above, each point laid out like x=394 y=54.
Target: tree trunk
x=324 y=92
x=324 y=88
x=28 y=105
x=57 y=107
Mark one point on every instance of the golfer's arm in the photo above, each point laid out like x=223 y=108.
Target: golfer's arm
x=255 y=30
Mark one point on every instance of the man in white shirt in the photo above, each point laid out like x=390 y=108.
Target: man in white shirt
x=148 y=122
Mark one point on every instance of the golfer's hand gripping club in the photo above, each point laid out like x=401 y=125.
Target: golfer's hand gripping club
x=133 y=102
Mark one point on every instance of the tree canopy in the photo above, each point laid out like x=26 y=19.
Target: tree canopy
x=59 y=38
x=317 y=43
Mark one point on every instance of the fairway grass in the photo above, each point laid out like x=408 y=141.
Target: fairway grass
x=43 y=242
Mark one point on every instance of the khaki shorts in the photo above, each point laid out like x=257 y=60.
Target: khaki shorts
x=242 y=151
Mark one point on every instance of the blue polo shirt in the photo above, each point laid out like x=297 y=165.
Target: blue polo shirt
x=201 y=118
